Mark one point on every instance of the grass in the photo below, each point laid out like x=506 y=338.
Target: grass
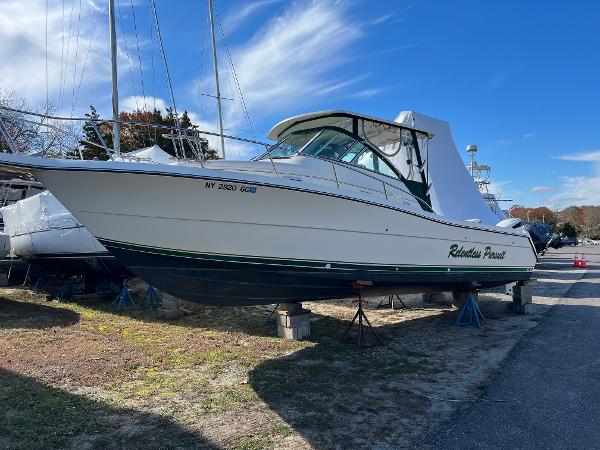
x=77 y=375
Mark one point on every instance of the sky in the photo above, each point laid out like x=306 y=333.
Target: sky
x=521 y=80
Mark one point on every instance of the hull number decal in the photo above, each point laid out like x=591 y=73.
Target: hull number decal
x=229 y=187
x=473 y=253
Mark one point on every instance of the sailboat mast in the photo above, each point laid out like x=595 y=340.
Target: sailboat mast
x=113 y=60
x=214 y=46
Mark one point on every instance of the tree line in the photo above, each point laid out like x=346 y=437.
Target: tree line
x=89 y=139
x=573 y=221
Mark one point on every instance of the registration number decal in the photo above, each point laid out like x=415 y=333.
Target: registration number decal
x=229 y=187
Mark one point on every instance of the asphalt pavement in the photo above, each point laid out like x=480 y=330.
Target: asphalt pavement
x=547 y=394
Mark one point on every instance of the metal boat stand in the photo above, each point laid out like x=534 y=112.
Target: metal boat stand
x=388 y=302
x=66 y=292
x=123 y=300
x=151 y=298
x=469 y=314
x=360 y=315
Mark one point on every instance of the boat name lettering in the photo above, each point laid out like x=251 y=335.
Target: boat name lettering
x=461 y=252
x=229 y=187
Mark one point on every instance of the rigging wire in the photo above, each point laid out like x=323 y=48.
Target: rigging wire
x=63 y=77
x=137 y=41
x=197 y=99
x=235 y=77
x=137 y=106
x=62 y=51
x=47 y=90
x=75 y=62
x=85 y=62
x=165 y=68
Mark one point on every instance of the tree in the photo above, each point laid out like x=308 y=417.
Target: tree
x=567 y=229
x=541 y=214
x=33 y=134
x=133 y=137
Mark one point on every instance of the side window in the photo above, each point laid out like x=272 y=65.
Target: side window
x=371 y=161
x=385 y=169
x=351 y=154
x=366 y=160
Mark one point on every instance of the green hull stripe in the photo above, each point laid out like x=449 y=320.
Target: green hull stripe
x=302 y=263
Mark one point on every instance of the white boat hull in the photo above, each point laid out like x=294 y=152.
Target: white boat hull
x=202 y=235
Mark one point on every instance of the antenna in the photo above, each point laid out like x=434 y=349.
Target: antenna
x=471 y=150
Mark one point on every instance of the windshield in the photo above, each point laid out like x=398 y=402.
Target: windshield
x=291 y=145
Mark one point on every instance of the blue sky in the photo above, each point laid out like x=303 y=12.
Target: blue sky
x=519 y=79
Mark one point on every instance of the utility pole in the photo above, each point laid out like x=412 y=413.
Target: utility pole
x=214 y=46
x=115 y=93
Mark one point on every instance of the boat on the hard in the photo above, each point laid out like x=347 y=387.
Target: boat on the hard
x=340 y=199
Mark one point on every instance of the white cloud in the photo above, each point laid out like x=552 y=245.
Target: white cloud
x=133 y=103
x=541 y=189
x=591 y=156
x=289 y=62
x=78 y=54
x=381 y=19
x=530 y=135
x=502 y=142
x=236 y=19
x=577 y=191
x=496 y=187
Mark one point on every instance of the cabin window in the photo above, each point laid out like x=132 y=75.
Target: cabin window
x=291 y=145
x=370 y=161
x=329 y=144
x=351 y=154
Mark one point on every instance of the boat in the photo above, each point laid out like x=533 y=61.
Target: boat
x=341 y=200
x=44 y=233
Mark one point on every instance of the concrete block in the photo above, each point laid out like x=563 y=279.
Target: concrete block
x=294 y=321
x=170 y=314
x=295 y=333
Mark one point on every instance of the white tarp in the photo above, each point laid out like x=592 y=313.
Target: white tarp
x=453 y=192
x=154 y=154
x=37 y=213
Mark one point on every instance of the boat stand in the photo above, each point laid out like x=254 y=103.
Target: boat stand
x=151 y=299
x=271 y=314
x=360 y=315
x=66 y=292
x=123 y=300
x=469 y=314
x=388 y=302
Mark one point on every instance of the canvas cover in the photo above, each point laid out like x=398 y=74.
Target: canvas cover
x=37 y=213
x=453 y=192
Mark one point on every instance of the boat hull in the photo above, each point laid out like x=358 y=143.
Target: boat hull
x=234 y=281
x=221 y=237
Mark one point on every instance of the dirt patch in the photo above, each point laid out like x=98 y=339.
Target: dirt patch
x=78 y=375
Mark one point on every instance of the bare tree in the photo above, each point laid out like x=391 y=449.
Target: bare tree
x=34 y=134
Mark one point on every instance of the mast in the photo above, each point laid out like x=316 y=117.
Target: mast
x=214 y=46
x=113 y=60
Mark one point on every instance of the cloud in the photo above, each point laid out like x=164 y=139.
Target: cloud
x=496 y=187
x=502 y=142
x=367 y=93
x=381 y=19
x=530 y=135
x=133 y=103
x=290 y=62
x=541 y=189
x=235 y=20
x=77 y=52
x=577 y=191
x=592 y=156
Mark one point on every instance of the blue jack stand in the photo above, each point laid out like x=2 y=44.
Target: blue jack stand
x=40 y=284
x=469 y=314
x=151 y=298
x=66 y=292
x=123 y=299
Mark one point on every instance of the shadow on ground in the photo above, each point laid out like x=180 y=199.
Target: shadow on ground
x=16 y=314
x=38 y=416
